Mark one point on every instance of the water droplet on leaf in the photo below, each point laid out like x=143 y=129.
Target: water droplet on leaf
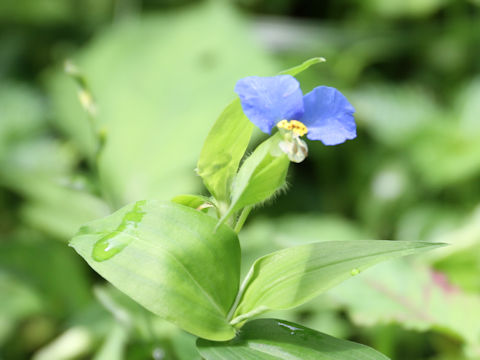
x=114 y=242
x=354 y=272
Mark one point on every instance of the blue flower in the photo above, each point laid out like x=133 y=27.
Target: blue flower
x=323 y=114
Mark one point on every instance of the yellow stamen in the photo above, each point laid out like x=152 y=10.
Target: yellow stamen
x=297 y=127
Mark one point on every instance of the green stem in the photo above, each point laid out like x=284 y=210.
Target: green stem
x=99 y=135
x=242 y=318
x=243 y=217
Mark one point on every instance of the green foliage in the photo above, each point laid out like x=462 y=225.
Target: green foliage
x=414 y=295
x=223 y=149
x=261 y=175
x=180 y=250
x=63 y=282
x=114 y=346
x=225 y=146
x=22 y=302
x=290 y=277
x=160 y=74
x=158 y=84
x=303 y=66
x=269 y=339
x=398 y=8
x=21 y=114
x=53 y=12
x=171 y=265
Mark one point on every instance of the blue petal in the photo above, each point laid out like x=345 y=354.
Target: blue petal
x=268 y=100
x=328 y=116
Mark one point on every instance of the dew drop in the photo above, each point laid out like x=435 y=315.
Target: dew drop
x=110 y=245
x=354 y=272
x=114 y=242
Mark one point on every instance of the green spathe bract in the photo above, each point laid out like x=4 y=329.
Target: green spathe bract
x=260 y=176
x=269 y=339
x=175 y=264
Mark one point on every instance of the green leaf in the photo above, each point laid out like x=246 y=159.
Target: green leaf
x=290 y=277
x=261 y=175
x=223 y=149
x=168 y=258
x=173 y=114
x=303 y=66
x=401 y=9
x=269 y=339
x=413 y=295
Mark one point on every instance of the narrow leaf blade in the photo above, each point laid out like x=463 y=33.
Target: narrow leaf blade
x=302 y=67
x=269 y=339
x=168 y=258
x=290 y=277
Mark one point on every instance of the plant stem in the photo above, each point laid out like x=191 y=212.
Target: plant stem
x=99 y=135
x=242 y=218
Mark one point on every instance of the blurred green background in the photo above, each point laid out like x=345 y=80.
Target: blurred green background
x=161 y=71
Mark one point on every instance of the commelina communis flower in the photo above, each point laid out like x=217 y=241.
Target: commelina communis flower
x=323 y=114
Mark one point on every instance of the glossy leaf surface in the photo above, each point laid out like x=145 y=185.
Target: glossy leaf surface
x=168 y=258
x=290 y=277
x=269 y=339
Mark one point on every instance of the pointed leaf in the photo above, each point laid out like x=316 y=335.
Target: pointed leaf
x=302 y=67
x=168 y=258
x=290 y=277
x=269 y=339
